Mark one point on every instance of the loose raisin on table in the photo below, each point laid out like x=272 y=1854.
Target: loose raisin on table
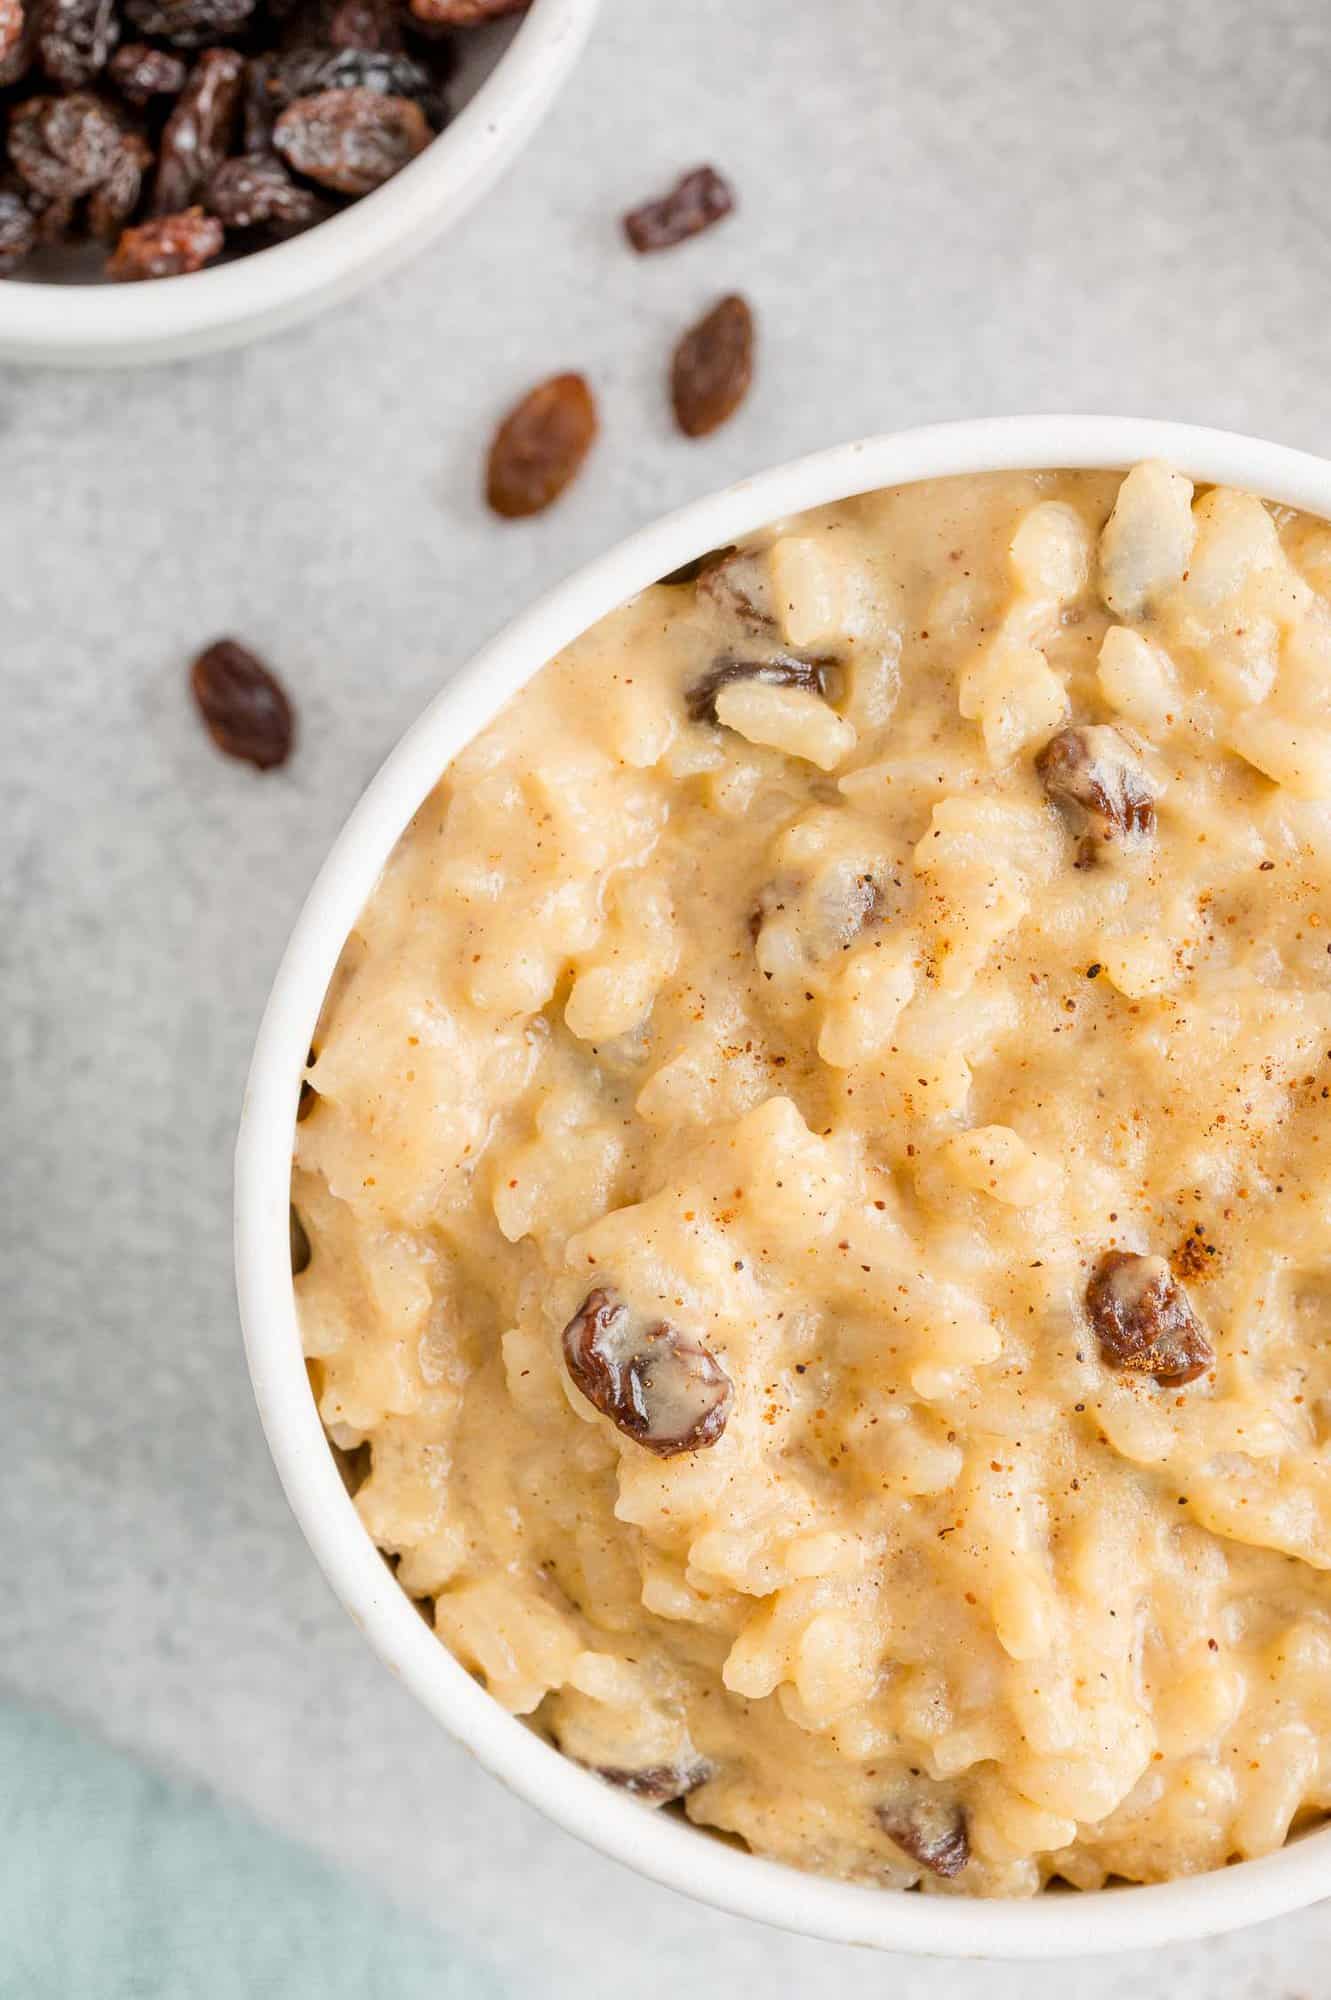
x=663 y=1391
x=932 y=1831
x=465 y=13
x=257 y=192
x=167 y=247
x=693 y=204
x=18 y=230
x=74 y=39
x=243 y=703
x=657 y=1784
x=197 y=136
x=1144 y=1321
x=189 y=24
x=64 y=146
x=784 y=670
x=540 y=446
x=111 y=205
x=141 y=72
x=1094 y=772
x=713 y=367
x=350 y=140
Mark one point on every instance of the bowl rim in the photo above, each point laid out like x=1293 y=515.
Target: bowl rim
x=79 y=324
x=663 y=1847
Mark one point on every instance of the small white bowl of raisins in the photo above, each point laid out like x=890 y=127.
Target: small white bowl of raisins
x=182 y=175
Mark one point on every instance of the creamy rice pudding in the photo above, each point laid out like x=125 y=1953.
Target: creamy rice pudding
x=814 y=1225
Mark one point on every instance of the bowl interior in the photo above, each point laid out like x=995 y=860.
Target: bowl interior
x=661 y=1846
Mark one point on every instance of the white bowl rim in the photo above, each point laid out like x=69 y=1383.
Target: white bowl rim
x=67 y=324
x=661 y=1846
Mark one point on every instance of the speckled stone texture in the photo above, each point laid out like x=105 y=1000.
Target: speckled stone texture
x=947 y=209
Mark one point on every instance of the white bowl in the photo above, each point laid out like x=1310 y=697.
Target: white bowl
x=97 y=325
x=660 y=1845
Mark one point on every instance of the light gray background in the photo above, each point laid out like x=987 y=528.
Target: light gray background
x=952 y=207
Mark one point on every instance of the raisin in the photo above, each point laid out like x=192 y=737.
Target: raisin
x=64 y=146
x=740 y=588
x=15 y=34
x=690 y=572
x=258 y=111
x=189 y=24
x=18 y=231
x=932 y=1831
x=713 y=367
x=350 y=140
x=827 y=909
x=75 y=39
x=245 y=707
x=1144 y=1321
x=663 y=1391
x=300 y=1244
x=1093 y=772
x=693 y=204
x=197 y=136
x=540 y=446
x=366 y=24
x=784 y=670
x=658 y=1784
x=308 y=72
x=53 y=218
x=167 y=247
x=257 y=192
x=140 y=72
x=465 y=13
x=112 y=204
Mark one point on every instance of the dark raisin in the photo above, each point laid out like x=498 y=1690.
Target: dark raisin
x=465 y=13
x=689 y=572
x=64 y=146
x=244 y=705
x=366 y=24
x=258 y=111
x=784 y=670
x=189 y=24
x=693 y=204
x=1093 y=772
x=740 y=588
x=713 y=367
x=932 y=1831
x=167 y=247
x=307 y=72
x=53 y=217
x=1144 y=1321
x=663 y=1391
x=197 y=136
x=111 y=205
x=350 y=140
x=18 y=231
x=540 y=446
x=140 y=72
x=256 y=192
x=300 y=1244
x=658 y=1784
x=75 y=38
x=15 y=38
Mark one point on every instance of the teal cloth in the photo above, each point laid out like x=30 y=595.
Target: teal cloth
x=117 y=1885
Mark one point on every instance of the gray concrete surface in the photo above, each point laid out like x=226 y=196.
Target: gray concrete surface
x=947 y=209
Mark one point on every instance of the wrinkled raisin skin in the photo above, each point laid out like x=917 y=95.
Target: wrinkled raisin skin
x=64 y=146
x=1144 y=1321
x=256 y=192
x=619 y=1382
x=170 y=246
x=197 y=136
x=307 y=72
x=785 y=670
x=1092 y=771
x=713 y=368
x=189 y=24
x=465 y=13
x=14 y=31
x=934 y=1834
x=657 y=1784
x=692 y=205
x=540 y=446
x=112 y=204
x=351 y=140
x=141 y=73
x=18 y=231
x=74 y=39
x=245 y=707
